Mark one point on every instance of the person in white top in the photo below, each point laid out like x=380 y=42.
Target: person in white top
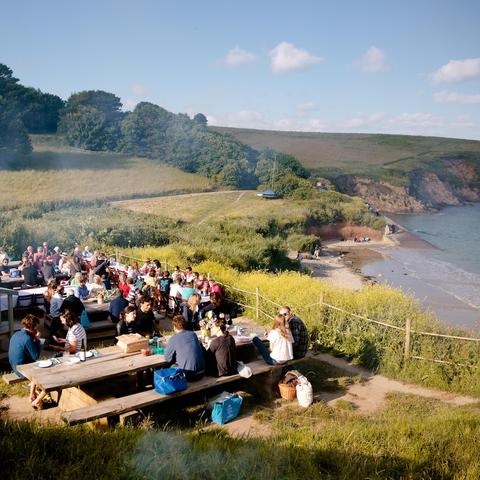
x=76 y=333
x=281 y=341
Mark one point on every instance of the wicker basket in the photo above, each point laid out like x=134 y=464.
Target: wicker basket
x=288 y=392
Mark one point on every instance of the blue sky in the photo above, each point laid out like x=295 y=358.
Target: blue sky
x=351 y=66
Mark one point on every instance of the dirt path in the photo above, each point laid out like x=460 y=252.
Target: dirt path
x=369 y=396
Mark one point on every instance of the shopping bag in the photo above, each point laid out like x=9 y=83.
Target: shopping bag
x=169 y=380
x=244 y=370
x=84 y=320
x=227 y=409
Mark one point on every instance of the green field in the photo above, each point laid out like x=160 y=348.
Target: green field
x=58 y=173
x=352 y=152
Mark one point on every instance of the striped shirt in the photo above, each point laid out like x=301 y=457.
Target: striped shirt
x=76 y=333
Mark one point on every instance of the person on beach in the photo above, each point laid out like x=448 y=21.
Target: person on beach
x=299 y=332
x=281 y=341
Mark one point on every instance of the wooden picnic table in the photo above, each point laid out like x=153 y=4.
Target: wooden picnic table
x=111 y=362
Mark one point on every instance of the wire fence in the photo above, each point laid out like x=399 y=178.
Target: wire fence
x=263 y=309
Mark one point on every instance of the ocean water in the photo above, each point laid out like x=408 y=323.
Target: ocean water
x=446 y=278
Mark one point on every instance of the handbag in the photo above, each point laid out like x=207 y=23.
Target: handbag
x=226 y=409
x=84 y=320
x=169 y=380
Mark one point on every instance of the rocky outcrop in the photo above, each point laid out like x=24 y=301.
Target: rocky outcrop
x=380 y=195
x=455 y=182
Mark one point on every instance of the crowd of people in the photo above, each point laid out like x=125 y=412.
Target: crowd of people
x=136 y=293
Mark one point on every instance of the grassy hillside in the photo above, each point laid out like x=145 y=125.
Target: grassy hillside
x=59 y=173
x=352 y=153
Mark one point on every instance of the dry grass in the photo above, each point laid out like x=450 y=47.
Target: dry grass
x=56 y=173
x=340 y=150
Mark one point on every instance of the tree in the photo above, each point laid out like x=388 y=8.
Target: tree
x=14 y=140
x=91 y=120
x=201 y=119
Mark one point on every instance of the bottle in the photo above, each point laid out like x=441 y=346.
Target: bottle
x=83 y=352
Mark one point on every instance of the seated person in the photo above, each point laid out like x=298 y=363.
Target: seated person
x=97 y=286
x=123 y=285
x=177 y=274
x=77 y=278
x=187 y=290
x=5 y=268
x=76 y=334
x=30 y=275
x=281 y=341
x=145 y=316
x=188 y=274
x=151 y=281
x=132 y=292
x=215 y=287
x=184 y=350
x=48 y=271
x=299 y=332
x=81 y=290
x=128 y=323
x=190 y=311
x=106 y=281
x=24 y=348
x=224 y=349
x=217 y=305
x=72 y=303
x=116 y=307
x=202 y=285
x=87 y=254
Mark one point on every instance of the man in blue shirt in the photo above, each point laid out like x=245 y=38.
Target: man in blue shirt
x=24 y=347
x=184 y=350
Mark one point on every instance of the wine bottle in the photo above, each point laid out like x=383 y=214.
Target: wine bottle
x=83 y=352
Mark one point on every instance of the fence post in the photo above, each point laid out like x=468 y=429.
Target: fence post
x=257 y=303
x=208 y=276
x=166 y=265
x=10 y=315
x=408 y=328
x=117 y=257
x=320 y=305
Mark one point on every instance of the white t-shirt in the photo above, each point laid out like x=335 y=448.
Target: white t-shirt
x=280 y=347
x=176 y=290
x=76 y=334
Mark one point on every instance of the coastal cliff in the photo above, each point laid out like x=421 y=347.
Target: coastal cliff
x=446 y=183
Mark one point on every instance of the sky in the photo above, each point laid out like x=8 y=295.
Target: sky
x=410 y=66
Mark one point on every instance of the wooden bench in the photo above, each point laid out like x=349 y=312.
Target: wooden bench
x=12 y=378
x=118 y=406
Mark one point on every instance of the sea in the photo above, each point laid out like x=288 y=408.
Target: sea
x=444 y=273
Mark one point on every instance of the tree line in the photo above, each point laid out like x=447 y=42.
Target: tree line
x=94 y=120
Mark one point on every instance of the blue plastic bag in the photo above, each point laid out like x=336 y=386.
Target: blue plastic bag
x=169 y=380
x=84 y=320
x=227 y=409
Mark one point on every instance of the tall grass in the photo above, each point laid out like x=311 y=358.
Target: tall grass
x=411 y=438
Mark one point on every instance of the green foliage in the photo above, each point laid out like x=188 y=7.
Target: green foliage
x=91 y=119
x=38 y=111
x=201 y=119
x=14 y=141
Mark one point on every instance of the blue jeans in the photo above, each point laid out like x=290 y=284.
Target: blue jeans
x=263 y=351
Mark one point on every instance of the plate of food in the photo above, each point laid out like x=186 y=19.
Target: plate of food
x=44 y=363
x=88 y=354
x=72 y=360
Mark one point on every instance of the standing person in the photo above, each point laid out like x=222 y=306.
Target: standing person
x=145 y=316
x=133 y=271
x=28 y=253
x=48 y=294
x=132 y=292
x=281 y=341
x=48 y=271
x=56 y=303
x=39 y=257
x=188 y=274
x=164 y=286
x=184 y=350
x=56 y=256
x=224 y=349
x=46 y=250
x=24 y=347
x=187 y=291
x=116 y=307
x=299 y=332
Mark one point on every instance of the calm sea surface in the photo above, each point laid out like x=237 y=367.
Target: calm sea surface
x=446 y=279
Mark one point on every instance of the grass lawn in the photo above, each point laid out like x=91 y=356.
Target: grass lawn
x=58 y=173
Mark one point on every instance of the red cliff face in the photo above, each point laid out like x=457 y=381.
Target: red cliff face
x=455 y=183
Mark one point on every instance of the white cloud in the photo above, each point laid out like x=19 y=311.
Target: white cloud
x=452 y=97
x=237 y=56
x=372 y=61
x=138 y=90
x=457 y=71
x=285 y=57
x=361 y=120
x=416 y=120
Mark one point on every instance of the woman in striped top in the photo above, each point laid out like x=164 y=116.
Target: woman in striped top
x=76 y=333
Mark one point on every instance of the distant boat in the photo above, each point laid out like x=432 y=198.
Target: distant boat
x=268 y=194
